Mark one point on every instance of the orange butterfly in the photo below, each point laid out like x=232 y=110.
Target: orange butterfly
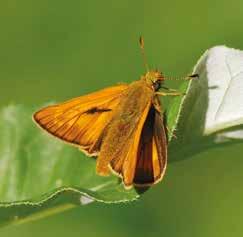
x=122 y=125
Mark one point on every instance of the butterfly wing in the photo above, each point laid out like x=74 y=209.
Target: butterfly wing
x=81 y=121
x=142 y=159
x=124 y=128
x=152 y=151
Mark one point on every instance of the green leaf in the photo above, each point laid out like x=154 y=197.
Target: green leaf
x=41 y=176
x=212 y=111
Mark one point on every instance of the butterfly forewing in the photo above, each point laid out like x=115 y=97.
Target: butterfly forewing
x=81 y=121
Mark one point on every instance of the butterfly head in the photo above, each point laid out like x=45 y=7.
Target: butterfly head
x=154 y=79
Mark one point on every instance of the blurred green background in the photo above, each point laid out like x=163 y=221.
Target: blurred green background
x=56 y=50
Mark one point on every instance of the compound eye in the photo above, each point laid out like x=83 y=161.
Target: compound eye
x=156 y=85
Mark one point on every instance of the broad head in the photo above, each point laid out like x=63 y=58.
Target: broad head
x=154 y=79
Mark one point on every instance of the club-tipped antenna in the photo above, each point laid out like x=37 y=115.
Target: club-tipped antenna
x=189 y=77
x=141 y=43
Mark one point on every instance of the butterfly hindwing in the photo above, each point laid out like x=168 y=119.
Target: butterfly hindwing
x=81 y=121
x=152 y=151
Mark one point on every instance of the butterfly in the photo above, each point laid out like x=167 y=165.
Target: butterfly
x=123 y=126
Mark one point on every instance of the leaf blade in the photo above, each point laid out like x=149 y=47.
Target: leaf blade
x=200 y=126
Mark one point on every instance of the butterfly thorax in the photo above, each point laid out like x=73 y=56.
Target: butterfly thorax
x=154 y=79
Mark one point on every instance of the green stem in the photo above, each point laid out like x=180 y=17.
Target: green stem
x=42 y=214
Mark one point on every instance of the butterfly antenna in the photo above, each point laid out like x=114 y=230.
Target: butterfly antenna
x=141 y=43
x=189 y=77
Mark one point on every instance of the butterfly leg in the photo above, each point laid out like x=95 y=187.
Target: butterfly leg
x=167 y=94
x=170 y=132
x=168 y=89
